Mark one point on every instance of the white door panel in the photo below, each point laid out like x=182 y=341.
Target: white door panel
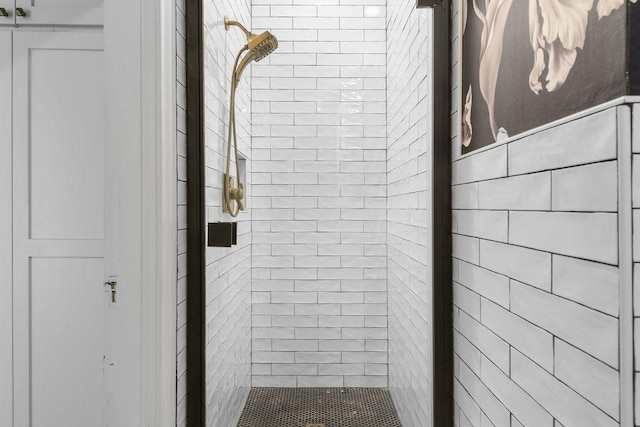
x=59 y=216
x=66 y=170
x=67 y=354
x=61 y=12
x=6 y=347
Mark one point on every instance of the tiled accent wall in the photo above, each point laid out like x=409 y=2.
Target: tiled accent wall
x=409 y=122
x=536 y=278
x=181 y=138
x=319 y=195
x=228 y=271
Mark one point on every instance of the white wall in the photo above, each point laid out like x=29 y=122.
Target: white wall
x=319 y=254
x=536 y=278
x=228 y=273
x=409 y=209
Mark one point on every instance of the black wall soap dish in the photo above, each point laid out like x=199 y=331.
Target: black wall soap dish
x=222 y=234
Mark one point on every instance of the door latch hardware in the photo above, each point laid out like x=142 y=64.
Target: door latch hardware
x=3 y=12
x=112 y=285
x=20 y=12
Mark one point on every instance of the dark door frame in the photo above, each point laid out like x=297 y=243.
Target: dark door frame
x=196 y=219
x=442 y=284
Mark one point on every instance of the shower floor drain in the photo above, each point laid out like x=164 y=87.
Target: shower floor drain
x=319 y=407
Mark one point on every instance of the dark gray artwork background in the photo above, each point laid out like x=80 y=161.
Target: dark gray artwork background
x=597 y=76
x=634 y=49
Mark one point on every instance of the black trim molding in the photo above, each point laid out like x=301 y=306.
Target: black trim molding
x=196 y=219
x=442 y=246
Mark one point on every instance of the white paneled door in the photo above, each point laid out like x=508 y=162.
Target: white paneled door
x=60 y=12
x=6 y=367
x=61 y=232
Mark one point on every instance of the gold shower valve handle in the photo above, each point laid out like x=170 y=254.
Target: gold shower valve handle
x=236 y=193
x=232 y=194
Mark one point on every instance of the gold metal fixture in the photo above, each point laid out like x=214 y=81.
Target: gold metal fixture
x=20 y=12
x=3 y=12
x=112 y=284
x=259 y=47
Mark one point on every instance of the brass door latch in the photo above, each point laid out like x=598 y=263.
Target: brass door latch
x=113 y=289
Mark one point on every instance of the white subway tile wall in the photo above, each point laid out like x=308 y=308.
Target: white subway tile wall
x=319 y=195
x=536 y=297
x=228 y=271
x=409 y=111
x=181 y=138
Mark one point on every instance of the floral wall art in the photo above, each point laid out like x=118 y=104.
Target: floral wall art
x=530 y=62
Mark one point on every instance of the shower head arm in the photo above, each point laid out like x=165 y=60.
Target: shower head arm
x=243 y=64
x=228 y=23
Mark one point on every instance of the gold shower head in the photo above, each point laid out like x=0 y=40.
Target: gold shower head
x=259 y=45
x=262 y=45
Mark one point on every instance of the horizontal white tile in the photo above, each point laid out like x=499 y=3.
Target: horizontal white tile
x=586 y=140
x=591 y=236
x=524 y=192
x=342 y=345
x=481 y=166
x=589 y=188
x=523 y=264
x=592 y=284
x=491 y=225
x=365 y=381
x=273 y=381
x=465 y=196
x=341 y=369
x=321 y=381
x=466 y=248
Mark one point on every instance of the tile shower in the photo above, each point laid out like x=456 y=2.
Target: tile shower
x=336 y=198
x=327 y=288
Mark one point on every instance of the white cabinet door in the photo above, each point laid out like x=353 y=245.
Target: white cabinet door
x=8 y=6
x=6 y=356
x=60 y=215
x=61 y=12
